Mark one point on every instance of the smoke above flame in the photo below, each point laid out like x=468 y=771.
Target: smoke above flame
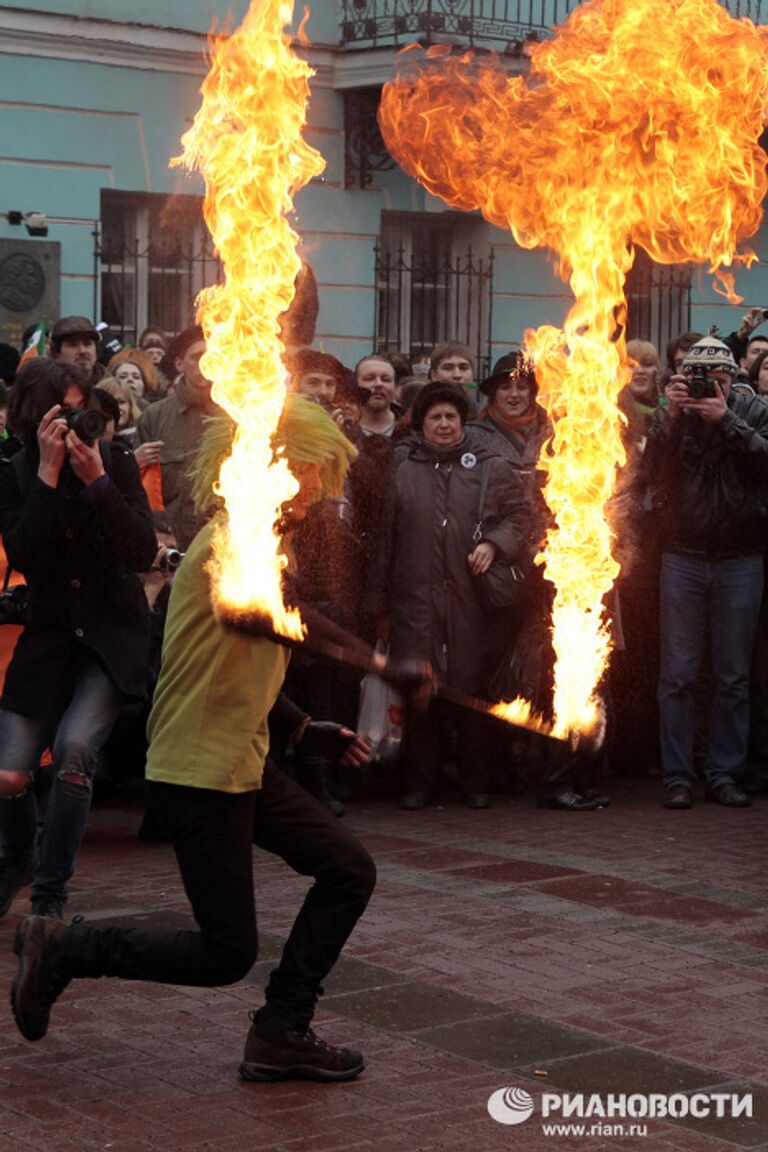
x=638 y=125
x=246 y=141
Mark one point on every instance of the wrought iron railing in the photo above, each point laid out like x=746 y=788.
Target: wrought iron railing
x=425 y=299
x=381 y=23
x=143 y=286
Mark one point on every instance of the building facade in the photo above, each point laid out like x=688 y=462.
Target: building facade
x=96 y=95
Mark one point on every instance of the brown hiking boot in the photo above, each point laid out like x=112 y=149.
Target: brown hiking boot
x=279 y=1052
x=40 y=979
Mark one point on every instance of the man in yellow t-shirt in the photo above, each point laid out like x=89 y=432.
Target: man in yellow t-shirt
x=217 y=794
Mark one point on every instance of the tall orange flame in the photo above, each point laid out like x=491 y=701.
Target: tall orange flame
x=246 y=140
x=638 y=125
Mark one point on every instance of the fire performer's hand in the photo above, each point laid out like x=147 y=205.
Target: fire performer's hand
x=335 y=742
x=415 y=679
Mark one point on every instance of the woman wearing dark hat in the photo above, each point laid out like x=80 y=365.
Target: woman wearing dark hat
x=435 y=553
x=516 y=425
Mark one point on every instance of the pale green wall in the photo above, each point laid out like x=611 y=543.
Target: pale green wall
x=194 y=15
x=76 y=129
x=185 y=15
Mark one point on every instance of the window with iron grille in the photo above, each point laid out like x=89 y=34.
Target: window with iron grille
x=658 y=300
x=154 y=255
x=431 y=286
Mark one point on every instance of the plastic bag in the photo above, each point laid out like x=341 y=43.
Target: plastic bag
x=380 y=717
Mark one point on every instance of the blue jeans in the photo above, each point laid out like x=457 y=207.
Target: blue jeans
x=77 y=735
x=719 y=598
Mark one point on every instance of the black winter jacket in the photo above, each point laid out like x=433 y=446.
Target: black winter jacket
x=710 y=481
x=80 y=557
x=435 y=608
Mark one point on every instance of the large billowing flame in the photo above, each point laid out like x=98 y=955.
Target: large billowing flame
x=638 y=125
x=246 y=141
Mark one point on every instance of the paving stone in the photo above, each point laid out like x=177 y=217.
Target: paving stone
x=408 y=1007
x=626 y=1069
x=512 y=1040
x=473 y=966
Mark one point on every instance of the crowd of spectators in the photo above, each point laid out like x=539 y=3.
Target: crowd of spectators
x=430 y=552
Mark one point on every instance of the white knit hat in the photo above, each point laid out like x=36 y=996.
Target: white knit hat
x=713 y=354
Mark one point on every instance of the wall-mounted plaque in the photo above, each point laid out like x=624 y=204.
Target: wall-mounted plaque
x=30 y=285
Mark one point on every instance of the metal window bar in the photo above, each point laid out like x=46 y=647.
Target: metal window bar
x=432 y=297
x=142 y=285
x=659 y=301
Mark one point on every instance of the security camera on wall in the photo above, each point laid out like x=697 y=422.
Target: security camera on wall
x=36 y=223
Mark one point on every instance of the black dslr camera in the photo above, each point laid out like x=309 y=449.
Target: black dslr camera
x=87 y=424
x=700 y=383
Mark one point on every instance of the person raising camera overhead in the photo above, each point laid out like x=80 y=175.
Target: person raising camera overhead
x=706 y=461
x=75 y=521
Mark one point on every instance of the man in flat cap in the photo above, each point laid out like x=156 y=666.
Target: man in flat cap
x=75 y=341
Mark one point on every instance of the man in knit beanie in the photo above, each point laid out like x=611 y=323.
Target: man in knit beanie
x=706 y=461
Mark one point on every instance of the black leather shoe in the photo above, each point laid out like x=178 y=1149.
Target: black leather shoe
x=729 y=795
x=413 y=801
x=596 y=798
x=567 y=801
x=477 y=800
x=679 y=797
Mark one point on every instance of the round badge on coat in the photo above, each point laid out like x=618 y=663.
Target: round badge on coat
x=468 y=460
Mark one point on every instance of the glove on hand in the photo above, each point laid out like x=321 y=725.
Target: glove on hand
x=326 y=738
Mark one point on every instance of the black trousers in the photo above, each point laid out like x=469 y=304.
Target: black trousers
x=213 y=835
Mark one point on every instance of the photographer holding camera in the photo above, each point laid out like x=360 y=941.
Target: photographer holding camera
x=75 y=521
x=706 y=460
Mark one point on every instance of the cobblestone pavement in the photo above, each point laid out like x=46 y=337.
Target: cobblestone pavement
x=620 y=951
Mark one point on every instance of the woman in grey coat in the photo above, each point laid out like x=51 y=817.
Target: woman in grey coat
x=435 y=557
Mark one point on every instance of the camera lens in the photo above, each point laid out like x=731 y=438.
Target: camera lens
x=89 y=425
x=170 y=560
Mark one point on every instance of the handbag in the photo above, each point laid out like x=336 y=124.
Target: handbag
x=503 y=585
x=380 y=715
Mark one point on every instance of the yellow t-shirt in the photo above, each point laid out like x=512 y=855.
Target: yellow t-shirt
x=208 y=724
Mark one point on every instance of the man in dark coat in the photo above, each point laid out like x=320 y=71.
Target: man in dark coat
x=75 y=521
x=174 y=428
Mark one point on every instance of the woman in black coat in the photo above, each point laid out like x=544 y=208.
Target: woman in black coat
x=75 y=521
x=439 y=544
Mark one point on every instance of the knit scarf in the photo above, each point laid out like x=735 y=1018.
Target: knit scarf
x=512 y=424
